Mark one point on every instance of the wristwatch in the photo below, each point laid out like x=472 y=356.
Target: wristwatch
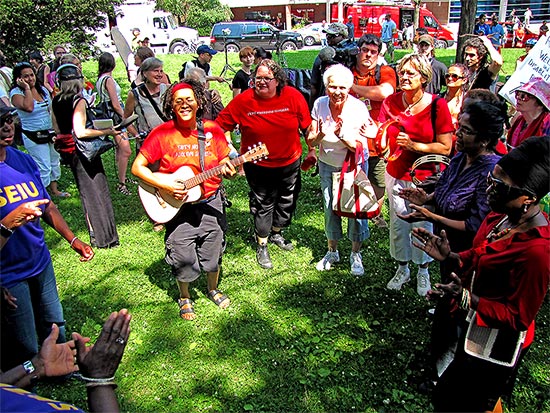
x=29 y=367
x=5 y=231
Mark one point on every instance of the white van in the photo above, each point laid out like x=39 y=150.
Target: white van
x=165 y=36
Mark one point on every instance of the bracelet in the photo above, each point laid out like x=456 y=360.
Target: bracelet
x=94 y=380
x=107 y=383
x=72 y=241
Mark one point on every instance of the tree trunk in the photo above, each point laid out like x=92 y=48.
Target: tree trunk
x=466 y=25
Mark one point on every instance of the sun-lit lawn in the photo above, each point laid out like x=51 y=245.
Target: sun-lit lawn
x=294 y=340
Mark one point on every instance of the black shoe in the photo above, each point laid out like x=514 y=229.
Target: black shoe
x=262 y=256
x=279 y=241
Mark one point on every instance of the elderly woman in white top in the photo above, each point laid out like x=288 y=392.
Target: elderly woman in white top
x=338 y=120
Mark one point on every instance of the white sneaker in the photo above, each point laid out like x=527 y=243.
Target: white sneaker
x=401 y=277
x=356 y=261
x=423 y=283
x=331 y=257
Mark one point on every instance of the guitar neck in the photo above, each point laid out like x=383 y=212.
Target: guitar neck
x=203 y=176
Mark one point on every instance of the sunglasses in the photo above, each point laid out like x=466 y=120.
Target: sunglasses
x=453 y=76
x=524 y=97
x=332 y=36
x=6 y=120
x=503 y=188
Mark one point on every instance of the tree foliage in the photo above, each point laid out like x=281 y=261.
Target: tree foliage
x=198 y=14
x=28 y=25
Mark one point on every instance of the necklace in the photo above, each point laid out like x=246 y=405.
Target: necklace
x=493 y=235
x=407 y=111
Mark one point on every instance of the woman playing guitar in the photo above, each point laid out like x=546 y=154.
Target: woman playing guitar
x=194 y=237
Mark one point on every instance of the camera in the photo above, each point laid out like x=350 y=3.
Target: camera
x=346 y=53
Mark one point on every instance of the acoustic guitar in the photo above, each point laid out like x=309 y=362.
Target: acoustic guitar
x=162 y=206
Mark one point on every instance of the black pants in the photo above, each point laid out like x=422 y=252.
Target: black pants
x=273 y=195
x=473 y=385
x=96 y=201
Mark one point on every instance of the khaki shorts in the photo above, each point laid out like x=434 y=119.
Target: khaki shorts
x=377 y=171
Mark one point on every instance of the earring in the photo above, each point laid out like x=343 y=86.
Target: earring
x=525 y=208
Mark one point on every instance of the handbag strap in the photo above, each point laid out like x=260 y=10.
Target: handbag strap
x=153 y=103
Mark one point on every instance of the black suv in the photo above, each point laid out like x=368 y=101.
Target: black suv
x=253 y=34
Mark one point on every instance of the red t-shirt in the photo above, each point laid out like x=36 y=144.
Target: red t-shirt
x=387 y=75
x=176 y=147
x=275 y=122
x=418 y=127
x=512 y=276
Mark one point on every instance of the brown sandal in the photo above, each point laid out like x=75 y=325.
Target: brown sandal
x=186 y=309
x=219 y=298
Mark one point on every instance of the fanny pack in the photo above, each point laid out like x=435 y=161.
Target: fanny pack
x=41 y=136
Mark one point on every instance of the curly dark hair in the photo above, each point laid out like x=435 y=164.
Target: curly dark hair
x=481 y=49
x=278 y=73
x=487 y=119
x=200 y=96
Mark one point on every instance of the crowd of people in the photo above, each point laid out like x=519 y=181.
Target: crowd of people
x=480 y=216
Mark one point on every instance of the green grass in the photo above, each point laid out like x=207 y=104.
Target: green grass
x=294 y=339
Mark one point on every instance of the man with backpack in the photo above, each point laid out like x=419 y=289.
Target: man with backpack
x=373 y=83
x=203 y=59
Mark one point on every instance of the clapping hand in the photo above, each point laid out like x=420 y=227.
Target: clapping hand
x=414 y=195
x=436 y=247
x=56 y=359
x=453 y=289
x=101 y=359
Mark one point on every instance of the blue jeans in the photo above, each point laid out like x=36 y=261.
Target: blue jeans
x=38 y=306
x=358 y=229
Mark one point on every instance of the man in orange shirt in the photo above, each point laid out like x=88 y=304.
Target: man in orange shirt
x=373 y=83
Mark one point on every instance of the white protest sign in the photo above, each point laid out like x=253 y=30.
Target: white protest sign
x=536 y=64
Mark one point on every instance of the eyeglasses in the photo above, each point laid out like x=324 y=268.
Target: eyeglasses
x=263 y=79
x=503 y=188
x=524 y=97
x=7 y=120
x=453 y=76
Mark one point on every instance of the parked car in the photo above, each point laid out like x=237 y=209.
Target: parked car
x=311 y=33
x=511 y=41
x=254 y=34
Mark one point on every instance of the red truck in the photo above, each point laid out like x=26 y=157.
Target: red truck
x=368 y=18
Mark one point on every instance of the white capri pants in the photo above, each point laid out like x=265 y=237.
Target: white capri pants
x=401 y=248
x=47 y=159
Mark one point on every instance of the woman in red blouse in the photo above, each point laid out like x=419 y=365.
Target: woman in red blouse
x=503 y=280
x=423 y=125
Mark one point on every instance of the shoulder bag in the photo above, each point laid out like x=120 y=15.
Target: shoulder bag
x=105 y=104
x=352 y=193
x=92 y=147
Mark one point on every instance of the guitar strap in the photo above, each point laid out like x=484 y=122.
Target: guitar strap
x=202 y=140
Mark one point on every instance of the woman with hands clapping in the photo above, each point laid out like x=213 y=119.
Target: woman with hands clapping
x=502 y=282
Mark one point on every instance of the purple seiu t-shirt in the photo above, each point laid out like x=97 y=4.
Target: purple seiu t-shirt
x=25 y=254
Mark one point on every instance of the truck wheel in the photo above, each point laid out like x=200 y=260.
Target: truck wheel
x=440 y=44
x=309 y=41
x=288 y=45
x=180 y=48
x=232 y=48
